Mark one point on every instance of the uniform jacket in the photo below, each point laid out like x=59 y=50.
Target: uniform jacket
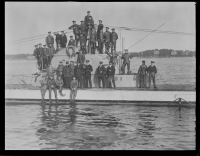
x=152 y=69
x=110 y=71
x=77 y=71
x=58 y=38
x=49 y=39
x=101 y=71
x=142 y=70
x=74 y=84
x=88 y=70
x=40 y=51
x=60 y=69
x=63 y=39
x=81 y=58
x=51 y=51
x=106 y=36
x=89 y=19
x=67 y=71
x=46 y=52
x=51 y=83
x=36 y=52
x=93 y=36
x=126 y=57
x=114 y=37
x=100 y=27
x=59 y=82
x=72 y=67
x=50 y=71
x=82 y=40
x=72 y=42
x=82 y=29
x=75 y=28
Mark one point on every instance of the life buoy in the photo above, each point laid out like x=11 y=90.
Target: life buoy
x=70 y=55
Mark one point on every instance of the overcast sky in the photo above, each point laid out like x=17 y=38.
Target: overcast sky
x=28 y=19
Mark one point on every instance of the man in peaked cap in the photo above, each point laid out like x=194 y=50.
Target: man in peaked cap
x=101 y=71
x=114 y=38
x=88 y=20
x=83 y=30
x=63 y=39
x=152 y=70
x=142 y=71
x=100 y=37
x=126 y=61
x=49 y=39
x=76 y=32
x=106 y=37
x=72 y=42
x=88 y=71
x=60 y=70
x=40 y=53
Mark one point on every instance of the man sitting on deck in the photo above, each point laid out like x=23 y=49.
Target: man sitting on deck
x=126 y=61
x=73 y=89
x=110 y=74
x=152 y=73
x=77 y=73
x=52 y=86
x=67 y=74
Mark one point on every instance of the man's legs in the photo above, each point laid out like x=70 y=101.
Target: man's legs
x=150 y=79
x=86 y=84
x=113 y=81
x=90 y=82
x=128 y=68
x=50 y=94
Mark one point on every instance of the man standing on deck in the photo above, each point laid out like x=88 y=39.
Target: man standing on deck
x=43 y=87
x=52 y=86
x=77 y=73
x=101 y=71
x=58 y=39
x=88 y=71
x=63 y=40
x=75 y=28
x=73 y=89
x=126 y=61
x=50 y=71
x=110 y=74
x=72 y=42
x=106 y=36
x=83 y=43
x=114 y=38
x=40 y=52
x=60 y=70
x=83 y=75
x=142 y=71
x=152 y=70
x=51 y=52
x=93 y=39
x=36 y=54
x=100 y=37
x=88 y=20
x=49 y=39
x=83 y=30
x=45 y=57
x=67 y=74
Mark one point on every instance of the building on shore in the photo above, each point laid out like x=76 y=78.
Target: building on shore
x=173 y=53
x=156 y=53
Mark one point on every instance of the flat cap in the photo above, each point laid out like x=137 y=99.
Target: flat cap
x=100 y=20
x=82 y=21
x=60 y=62
x=143 y=60
x=152 y=62
x=88 y=11
x=44 y=45
x=67 y=62
x=40 y=44
x=100 y=62
x=107 y=27
x=87 y=61
x=113 y=29
x=73 y=21
x=49 y=32
x=71 y=36
x=36 y=45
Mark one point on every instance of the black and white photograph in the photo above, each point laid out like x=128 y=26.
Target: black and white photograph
x=100 y=75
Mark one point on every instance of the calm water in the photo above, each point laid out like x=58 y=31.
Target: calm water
x=93 y=127
x=85 y=127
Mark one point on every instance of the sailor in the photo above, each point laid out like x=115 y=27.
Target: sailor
x=73 y=89
x=50 y=71
x=83 y=43
x=83 y=76
x=72 y=42
x=77 y=73
x=106 y=36
x=88 y=71
x=93 y=39
x=63 y=40
x=101 y=71
x=88 y=20
x=72 y=66
x=43 y=87
x=75 y=28
x=58 y=38
x=81 y=57
x=114 y=38
x=52 y=86
x=67 y=75
x=49 y=39
x=40 y=52
x=126 y=61
x=59 y=83
x=142 y=71
x=110 y=74
x=51 y=52
x=152 y=70
x=83 y=30
x=100 y=37
x=36 y=54
x=45 y=57
x=60 y=70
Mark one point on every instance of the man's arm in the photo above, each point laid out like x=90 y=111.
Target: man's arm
x=70 y=27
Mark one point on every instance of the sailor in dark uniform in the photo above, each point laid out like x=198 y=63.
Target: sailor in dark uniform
x=75 y=28
x=152 y=70
x=110 y=74
x=58 y=38
x=142 y=71
x=72 y=42
x=88 y=71
x=126 y=61
x=83 y=30
x=36 y=54
x=101 y=71
x=106 y=36
x=100 y=37
x=89 y=20
x=114 y=38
